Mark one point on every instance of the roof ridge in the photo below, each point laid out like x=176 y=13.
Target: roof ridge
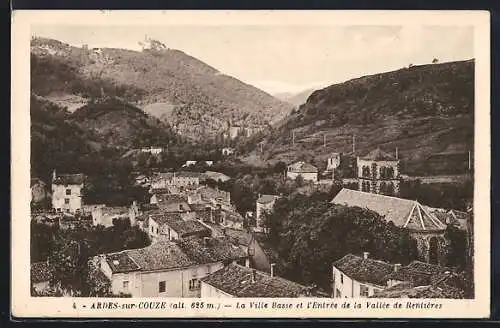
x=377 y=195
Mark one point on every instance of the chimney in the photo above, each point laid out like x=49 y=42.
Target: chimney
x=272 y=269
x=254 y=275
x=397 y=267
x=366 y=255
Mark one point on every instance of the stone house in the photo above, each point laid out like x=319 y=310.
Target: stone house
x=67 y=192
x=104 y=215
x=171 y=226
x=378 y=172
x=166 y=268
x=307 y=171
x=177 y=179
x=423 y=226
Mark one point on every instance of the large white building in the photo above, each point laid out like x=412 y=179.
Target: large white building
x=67 y=192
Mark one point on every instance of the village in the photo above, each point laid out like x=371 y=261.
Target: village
x=200 y=245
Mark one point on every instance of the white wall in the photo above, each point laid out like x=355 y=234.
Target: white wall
x=350 y=288
x=59 y=196
x=210 y=291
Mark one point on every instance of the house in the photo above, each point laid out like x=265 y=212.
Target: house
x=404 y=290
x=423 y=226
x=39 y=190
x=307 y=171
x=378 y=172
x=170 y=203
x=264 y=203
x=177 y=179
x=226 y=151
x=355 y=276
x=166 y=268
x=105 y=215
x=240 y=281
x=189 y=163
x=215 y=198
x=40 y=275
x=67 y=192
x=172 y=227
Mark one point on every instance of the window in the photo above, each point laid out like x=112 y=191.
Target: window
x=341 y=278
x=125 y=286
x=162 y=288
x=68 y=191
x=66 y=200
x=194 y=284
x=363 y=290
x=338 y=294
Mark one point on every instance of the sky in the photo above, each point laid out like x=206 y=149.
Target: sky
x=279 y=58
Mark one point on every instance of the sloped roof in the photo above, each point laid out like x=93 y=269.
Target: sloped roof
x=187 y=174
x=404 y=290
x=379 y=155
x=240 y=237
x=40 y=272
x=452 y=217
x=176 y=223
x=420 y=273
x=69 y=179
x=302 y=167
x=402 y=212
x=364 y=270
x=210 y=249
x=236 y=280
x=160 y=255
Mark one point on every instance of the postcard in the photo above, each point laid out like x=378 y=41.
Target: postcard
x=250 y=164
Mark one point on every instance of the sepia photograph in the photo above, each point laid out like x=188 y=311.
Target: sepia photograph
x=228 y=159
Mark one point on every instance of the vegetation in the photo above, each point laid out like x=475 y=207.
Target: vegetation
x=309 y=234
x=176 y=88
x=68 y=252
x=420 y=110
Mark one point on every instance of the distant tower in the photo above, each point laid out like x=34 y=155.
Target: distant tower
x=378 y=173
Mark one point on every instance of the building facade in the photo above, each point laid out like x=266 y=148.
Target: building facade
x=307 y=171
x=359 y=277
x=67 y=192
x=378 y=172
x=423 y=226
x=264 y=203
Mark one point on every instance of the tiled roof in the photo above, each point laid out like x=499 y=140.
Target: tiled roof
x=240 y=237
x=182 y=227
x=232 y=216
x=216 y=176
x=210 y=250
x=69 y=179
x=236 y=280
x=404 y=290
x=452 y=217
x=40 y=272
x=379 y=155
x=117 y=210
x=303 y=167
x=403 y=213
x=364 y=270
x=160 y=255
x=420 y=273
x=266 y=199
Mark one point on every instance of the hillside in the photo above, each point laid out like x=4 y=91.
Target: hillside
x=192 y=97
x=422 y=110
x=295 y=99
